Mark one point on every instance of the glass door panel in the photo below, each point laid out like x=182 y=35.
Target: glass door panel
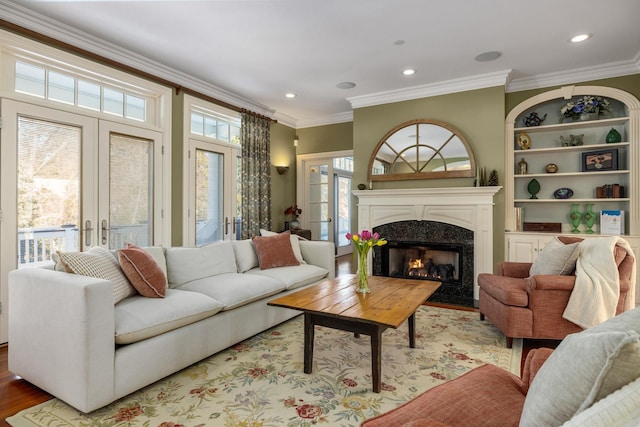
x=320 y=194
x=209 y=197
x=343 y=214
x=130 y=192
x=48 y=190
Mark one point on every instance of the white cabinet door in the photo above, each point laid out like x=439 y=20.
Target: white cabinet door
x=524 y=247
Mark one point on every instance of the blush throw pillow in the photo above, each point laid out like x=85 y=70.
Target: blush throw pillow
x=142 y=270
x=98 y=262
x=295 y=243
x=556 y=258
x=275 y=251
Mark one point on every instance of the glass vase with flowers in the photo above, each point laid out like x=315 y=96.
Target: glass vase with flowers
x=293 y=212
x=363 y=242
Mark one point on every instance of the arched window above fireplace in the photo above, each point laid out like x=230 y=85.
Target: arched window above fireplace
x=421 y=149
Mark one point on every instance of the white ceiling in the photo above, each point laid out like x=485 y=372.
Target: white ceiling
x=251 y=52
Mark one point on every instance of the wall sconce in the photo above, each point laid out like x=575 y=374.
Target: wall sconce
x=282 y=169
x=296 y=140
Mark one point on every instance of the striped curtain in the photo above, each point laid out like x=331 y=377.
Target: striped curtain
x=256 y=175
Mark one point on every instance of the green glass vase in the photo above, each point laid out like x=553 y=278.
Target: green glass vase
x=589 y=217
x=575 y=217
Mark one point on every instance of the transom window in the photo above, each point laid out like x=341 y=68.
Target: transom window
x=37 y=80
x=213 y=125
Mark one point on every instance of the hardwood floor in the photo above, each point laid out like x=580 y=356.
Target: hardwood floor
x=17 y=394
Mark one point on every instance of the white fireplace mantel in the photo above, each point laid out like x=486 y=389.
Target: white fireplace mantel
x=467 y=207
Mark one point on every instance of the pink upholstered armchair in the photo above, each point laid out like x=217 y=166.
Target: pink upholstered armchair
x=532 y=307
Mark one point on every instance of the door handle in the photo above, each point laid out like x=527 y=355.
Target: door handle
x=226 y=225
x=233 y=226
x=87 y=233
x=104 y=231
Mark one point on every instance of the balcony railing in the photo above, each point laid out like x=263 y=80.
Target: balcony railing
x=36 y=245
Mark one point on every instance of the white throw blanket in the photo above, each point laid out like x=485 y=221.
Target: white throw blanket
x=597 y=289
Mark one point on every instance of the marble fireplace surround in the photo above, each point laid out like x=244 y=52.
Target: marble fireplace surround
x=466 y=207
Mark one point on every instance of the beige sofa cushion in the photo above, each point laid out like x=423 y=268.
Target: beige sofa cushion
x=235 y=289
x=187 y=264
x=293 y=277
x=138 y=318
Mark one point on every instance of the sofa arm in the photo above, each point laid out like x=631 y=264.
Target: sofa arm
x=519 y=270
x=545 y=282
x=532 y=364
x=61 y=335
x=320 y=253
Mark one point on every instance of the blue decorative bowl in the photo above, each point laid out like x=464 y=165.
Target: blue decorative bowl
x=563 y=193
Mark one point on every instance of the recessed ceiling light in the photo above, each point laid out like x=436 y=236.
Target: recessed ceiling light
x=290 y=95
x=580 y=38
x=409 y=72
x=346 y=85
x=488 y=56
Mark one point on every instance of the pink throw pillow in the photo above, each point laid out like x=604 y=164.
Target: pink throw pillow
x=143 y=271
x=274 y=251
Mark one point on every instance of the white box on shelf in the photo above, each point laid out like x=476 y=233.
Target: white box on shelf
x=612 y=222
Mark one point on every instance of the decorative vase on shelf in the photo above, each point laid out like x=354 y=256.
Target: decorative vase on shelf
x=589 y=218
x=575 y=217
x=523 y=167
x=613 y=137
x=533 y=188
x=589 y=116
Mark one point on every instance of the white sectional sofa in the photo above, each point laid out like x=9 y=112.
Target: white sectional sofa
x=67 y=336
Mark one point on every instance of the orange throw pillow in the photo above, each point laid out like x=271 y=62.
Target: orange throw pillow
x=143 y=271
x=274 y=251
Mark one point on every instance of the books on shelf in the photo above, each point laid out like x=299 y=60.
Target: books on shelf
x=612 y=222
x=610 y=191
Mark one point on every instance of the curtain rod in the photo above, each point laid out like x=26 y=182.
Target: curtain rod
x=118 y=65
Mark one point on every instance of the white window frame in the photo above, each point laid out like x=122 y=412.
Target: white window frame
x=194 y=141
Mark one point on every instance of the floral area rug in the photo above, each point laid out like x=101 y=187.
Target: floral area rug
x=260 y=382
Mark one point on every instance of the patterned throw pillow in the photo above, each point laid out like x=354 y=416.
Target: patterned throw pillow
x=142 y=270
x=98 y=262
x=275 y=251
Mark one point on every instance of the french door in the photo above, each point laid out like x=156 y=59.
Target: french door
x=69 y=182
x=326 y=195
x=212 y=193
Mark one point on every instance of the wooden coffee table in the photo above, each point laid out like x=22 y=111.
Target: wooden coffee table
x=334 y=303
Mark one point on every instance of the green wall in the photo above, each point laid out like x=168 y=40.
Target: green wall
x=478 y=115
x=283 y=187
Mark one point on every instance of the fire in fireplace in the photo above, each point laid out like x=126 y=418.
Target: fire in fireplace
x=416 y=260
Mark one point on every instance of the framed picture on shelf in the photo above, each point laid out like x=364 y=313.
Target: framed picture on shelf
x=602 y=160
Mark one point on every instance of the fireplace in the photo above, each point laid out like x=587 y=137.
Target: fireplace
x=429 y=250
x=468 y=209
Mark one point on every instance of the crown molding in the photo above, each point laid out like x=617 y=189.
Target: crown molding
x=331 y=119
x=481 y=81
x=604 y=71
x=23 y=17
